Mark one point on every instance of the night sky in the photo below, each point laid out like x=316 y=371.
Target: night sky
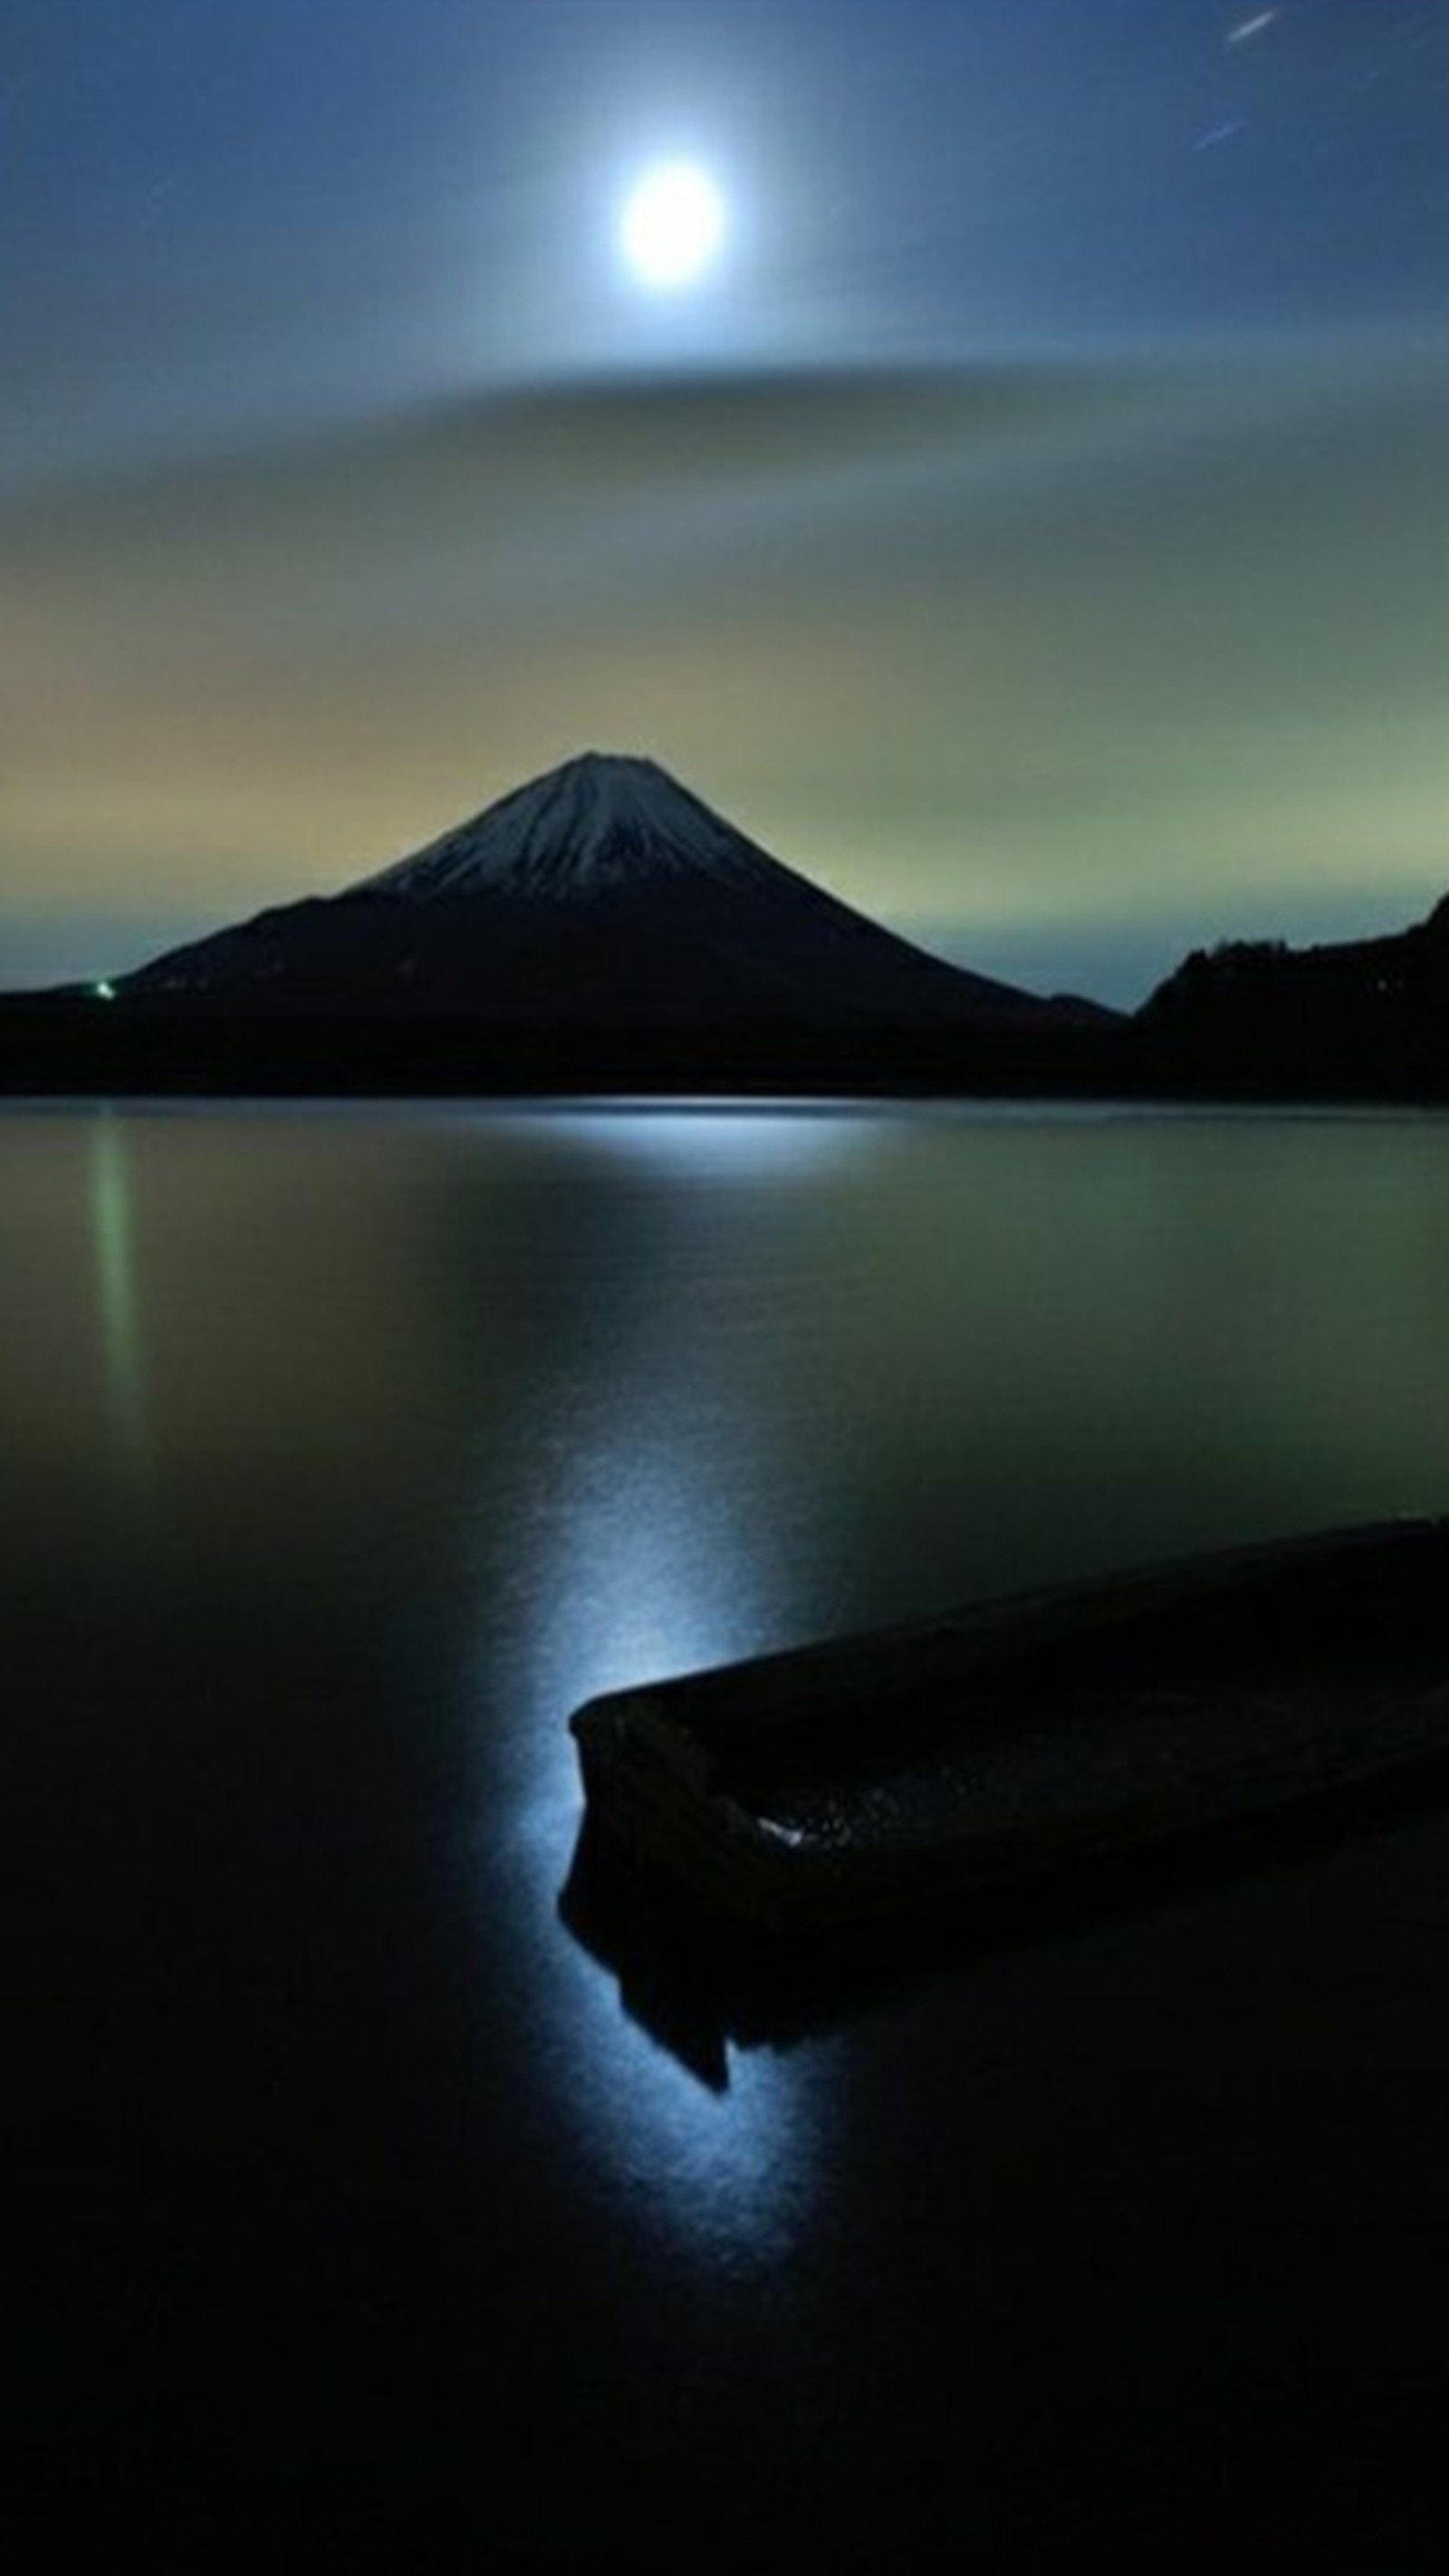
x=1031 y=517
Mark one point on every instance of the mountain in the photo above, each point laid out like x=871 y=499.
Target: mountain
x=1352 y=1016
x=601 y=895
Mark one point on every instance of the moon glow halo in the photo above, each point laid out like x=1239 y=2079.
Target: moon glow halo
x=673 y=225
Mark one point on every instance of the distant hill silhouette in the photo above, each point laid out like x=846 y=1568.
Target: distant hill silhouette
x=1362 y=1015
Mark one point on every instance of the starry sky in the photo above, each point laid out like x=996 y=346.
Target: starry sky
x=1031 y=520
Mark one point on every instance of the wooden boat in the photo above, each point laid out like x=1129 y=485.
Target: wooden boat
x=851 y=1785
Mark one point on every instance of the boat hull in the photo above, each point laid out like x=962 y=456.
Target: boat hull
x=847 y=1786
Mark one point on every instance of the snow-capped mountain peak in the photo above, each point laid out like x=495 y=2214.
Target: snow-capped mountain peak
x=602 y=894
x=598 y=822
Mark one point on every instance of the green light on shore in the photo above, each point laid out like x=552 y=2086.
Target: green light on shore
x=103 y=991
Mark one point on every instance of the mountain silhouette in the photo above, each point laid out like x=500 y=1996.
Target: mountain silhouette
x=603 y=930
x=1356 y=1015
x=602 y=894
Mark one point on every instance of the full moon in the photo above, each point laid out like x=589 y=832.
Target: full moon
x=674 y=221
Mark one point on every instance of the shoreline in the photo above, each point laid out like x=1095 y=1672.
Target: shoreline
x=94 y=1051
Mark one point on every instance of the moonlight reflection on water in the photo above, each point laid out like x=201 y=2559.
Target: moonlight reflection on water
x=643 y=1567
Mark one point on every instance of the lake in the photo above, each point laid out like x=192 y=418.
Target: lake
x=342 y=1453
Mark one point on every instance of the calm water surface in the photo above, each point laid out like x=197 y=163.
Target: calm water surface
x=343 y=1453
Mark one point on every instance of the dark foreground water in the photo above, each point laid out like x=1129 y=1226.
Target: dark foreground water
x=351 y=2215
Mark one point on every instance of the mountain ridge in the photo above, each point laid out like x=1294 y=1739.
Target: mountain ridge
x=601 y=930
x=1352 y=1010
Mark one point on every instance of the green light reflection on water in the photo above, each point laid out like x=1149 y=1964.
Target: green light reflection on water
x=114 y=1236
